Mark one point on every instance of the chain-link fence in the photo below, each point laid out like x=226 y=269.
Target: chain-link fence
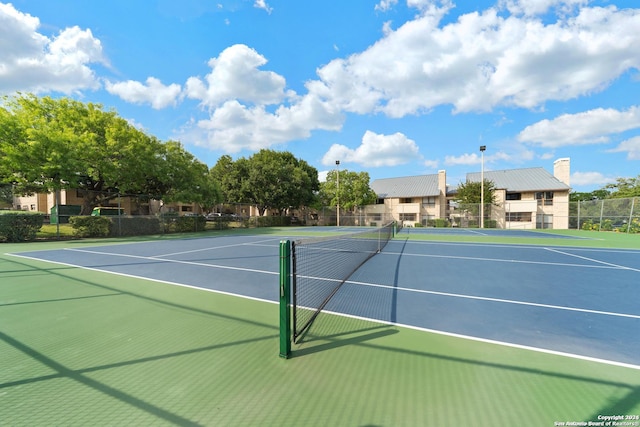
x=619 y=215
x=622 y=215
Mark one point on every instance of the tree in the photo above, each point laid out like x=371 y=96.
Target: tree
x=52 y=144
x=186 y=179
x=624 y=187
x=594 y=195
x=230 y=176
x=353 y=191
x=6 y=196
x=268 y=180
x=469 y=192
x=277 y=180
x=468 y=197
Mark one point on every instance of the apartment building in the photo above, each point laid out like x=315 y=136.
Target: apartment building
x=527 y=198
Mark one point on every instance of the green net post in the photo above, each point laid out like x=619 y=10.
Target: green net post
x=285 y=298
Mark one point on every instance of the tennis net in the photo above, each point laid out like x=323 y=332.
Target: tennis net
x=321 y=266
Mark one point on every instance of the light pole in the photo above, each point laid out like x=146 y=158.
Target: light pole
x=482 y=148
x=338 y=191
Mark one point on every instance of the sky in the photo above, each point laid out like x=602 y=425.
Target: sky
x=389 y=87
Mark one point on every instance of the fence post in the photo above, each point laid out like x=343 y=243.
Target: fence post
x=633 y=202
x=601 y=213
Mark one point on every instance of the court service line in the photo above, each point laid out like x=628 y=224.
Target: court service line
x=214 y=248
x=500 y=300
x=592 y=260
x=511 y=261
x=200 y=264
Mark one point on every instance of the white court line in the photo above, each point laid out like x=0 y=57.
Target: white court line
x=201 y=264
x=133 y=276
x=434 y=331
x=500 y=300
x=510 y=261
x=476 y=232
x=215 y=248
x=495 y=342
x=593 y=260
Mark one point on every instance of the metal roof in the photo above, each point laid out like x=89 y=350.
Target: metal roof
x=411 y=186
x=513 y=180
x=529 y=179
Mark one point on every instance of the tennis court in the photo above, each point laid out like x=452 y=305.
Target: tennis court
x=427 y=332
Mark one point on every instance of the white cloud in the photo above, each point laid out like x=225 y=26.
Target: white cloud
x=33 y=62
x=589 y=179
x=484 y=60
x=234 y=127
x=385 y=5
x=631 y=147
x=431 y=164
x=467 y=159
x=376 y=150
x=262 y=4
x=589 y=127
x=153 y=92
x=235 y=74
x=539 y=7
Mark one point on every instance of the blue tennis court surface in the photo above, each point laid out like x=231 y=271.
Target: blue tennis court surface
x=578 y=301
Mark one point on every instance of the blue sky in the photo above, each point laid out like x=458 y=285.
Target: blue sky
x=391 y=87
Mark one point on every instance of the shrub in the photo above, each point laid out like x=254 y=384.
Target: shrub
x=20 y=226
x=134 y=226
x=268 y=221
x=182 y=224
x=90 y=226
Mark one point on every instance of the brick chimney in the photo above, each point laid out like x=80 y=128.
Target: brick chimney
x=562 y=170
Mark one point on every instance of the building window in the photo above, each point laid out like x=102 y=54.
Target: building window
x=186 y=208
x=544 y=221
x=427 y=218
x=514 y=196
x=375 y=217
x=380 y=202
x=406 y=200
x=545 y=198
x=518 y=216
x=429 y=202
x=408 y=217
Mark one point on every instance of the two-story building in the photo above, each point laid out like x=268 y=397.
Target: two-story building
x=524 y=198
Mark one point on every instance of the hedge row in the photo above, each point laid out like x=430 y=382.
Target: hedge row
x=113 y=226
x=19 y=226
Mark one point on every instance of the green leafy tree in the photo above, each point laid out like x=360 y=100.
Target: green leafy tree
x=469 y=197
x=230 y=176
x=470 y=192
x=584 y=196
x=348 y=189
x=187 y=179
x=277 y=180
x=624 y=187
x=268 y=180
x=52 y=144
x=6 y=196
